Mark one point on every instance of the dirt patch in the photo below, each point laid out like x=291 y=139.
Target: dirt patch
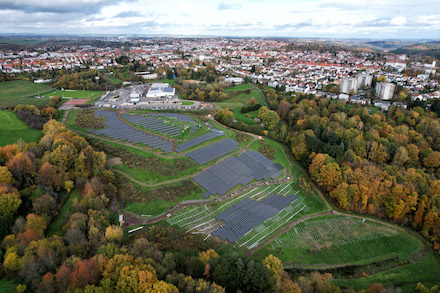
x=114 y=161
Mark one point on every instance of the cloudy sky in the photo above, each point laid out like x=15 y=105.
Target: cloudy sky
x=285 y=18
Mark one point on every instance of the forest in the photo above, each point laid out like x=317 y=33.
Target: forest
x=367 y=161
x=42 y=250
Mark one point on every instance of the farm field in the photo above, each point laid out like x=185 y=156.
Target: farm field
x=13 y=128
x=13 y=93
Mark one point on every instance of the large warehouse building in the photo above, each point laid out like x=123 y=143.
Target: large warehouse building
x=161 y=90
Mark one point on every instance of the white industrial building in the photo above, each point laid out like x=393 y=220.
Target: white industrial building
x=234 y=79
x=161 y=90
x=385 y=90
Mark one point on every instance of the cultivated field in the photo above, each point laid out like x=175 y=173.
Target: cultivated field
x=17 y=92
x=12 y=129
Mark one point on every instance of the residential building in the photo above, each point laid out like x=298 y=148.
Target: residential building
x=385 y=90
x=364 y=81
x=348 y=85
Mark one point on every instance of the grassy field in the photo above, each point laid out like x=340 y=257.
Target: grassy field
x=150 y=177
x=74 y=94
x=12 y=129
x=239 y=87
x=240 y=100
x=157 y=207
x=187 y=103
x=337 y=240
x=368 y=252
x=7 y=286
x=404 y=276
x=17 y=92
x=55 y=228
x=20 y=41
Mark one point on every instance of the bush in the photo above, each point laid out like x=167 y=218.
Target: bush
x=267 y=150
x=250 y=108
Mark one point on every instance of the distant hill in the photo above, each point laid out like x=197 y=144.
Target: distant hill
x=431 y=49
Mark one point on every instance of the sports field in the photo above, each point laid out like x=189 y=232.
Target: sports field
x=74 y=94
x=12 y=129
x=17 y=92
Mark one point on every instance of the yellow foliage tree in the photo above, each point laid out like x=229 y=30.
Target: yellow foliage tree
x=9 y=203
x=12 y=263
x=205 y=256
x=5 y=175
x=113 y=233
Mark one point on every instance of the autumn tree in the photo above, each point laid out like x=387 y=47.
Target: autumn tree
x=225 y=116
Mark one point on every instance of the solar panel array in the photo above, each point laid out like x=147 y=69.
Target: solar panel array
x=227 y=174
x=181 y=117
x=119 y=130
x=248 y=214
x=154 y=124
x=213 y=151
x=200 y=139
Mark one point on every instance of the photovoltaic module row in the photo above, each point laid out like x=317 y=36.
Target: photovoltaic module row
x=198 y=140
x=154 y=124
x=227 y=174
x=213 y=151
x=244 y=216
x=181 y=117
x=117 y=129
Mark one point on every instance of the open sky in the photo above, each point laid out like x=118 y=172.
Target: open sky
x=285 y=18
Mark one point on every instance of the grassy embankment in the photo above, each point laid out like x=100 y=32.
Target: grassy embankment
x=13 y=128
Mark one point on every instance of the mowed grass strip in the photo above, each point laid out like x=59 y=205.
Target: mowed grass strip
x=55 y=228
x=12 y=129
x=13 y=93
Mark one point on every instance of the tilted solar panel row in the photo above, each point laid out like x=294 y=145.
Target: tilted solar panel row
x=153 y=124
x=227 y=174
x=246 y=215
x=198 y=140
x=119 y=130
x=213 y=151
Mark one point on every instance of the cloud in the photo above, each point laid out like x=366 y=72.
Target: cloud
x=229 y=6
x=398 y=20
x=58 y=6
x=130 y=13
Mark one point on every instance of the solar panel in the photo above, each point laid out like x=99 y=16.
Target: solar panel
x=227 y=174
x=213 y=151
x=117 y=129
x=244 y=216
